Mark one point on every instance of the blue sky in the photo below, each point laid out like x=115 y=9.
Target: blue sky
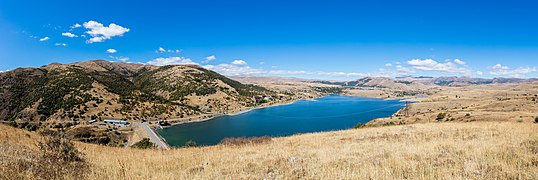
x=335 y=39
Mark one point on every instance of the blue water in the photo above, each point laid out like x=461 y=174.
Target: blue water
x=324 y=114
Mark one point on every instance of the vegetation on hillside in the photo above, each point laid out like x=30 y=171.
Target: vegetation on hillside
x=145 y=143
x=146 y=92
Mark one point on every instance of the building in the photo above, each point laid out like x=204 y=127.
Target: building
x=117 y=122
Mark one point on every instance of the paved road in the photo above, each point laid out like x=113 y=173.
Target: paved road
x=154 y=137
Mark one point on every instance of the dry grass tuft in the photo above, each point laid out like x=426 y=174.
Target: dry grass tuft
x=47 y=158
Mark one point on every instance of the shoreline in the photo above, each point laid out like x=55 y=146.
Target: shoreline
x=213 y=116
x=412 y=100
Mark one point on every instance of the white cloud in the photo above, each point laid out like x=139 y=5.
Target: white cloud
x=239 y=62
x=111 y=51
x=317 y=73
x=520 y=72
x=100 y=33
x=170 y=61
x=235 y=70
x=44 y=39
x=68 y=34
x=460 y=62
x=432 y=65
x=60 y=44
x=77 y=25
x=388 y=65
x=240 y=68
x=120 y=58
x=404 y=70
x=163 y=50
x=209 y=58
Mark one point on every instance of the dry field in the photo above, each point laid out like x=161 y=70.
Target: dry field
x=495 y=102
x=442 y=150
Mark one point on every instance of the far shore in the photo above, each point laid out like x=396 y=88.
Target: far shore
x=212 y=116
x=215 y=115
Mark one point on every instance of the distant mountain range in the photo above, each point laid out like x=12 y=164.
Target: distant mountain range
x=401 y=82
x=103 y=89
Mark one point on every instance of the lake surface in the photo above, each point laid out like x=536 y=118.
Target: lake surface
x=328 y=113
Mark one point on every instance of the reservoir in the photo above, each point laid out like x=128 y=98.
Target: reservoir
x=328 y=113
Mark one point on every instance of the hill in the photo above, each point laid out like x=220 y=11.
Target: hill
x=473 y=150
x=409 y=82
x=112 y=90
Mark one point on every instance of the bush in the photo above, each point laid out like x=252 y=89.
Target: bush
x=144 y=144
x=440 y=116
x=359 y=125
x=54 y=158
x=190 y=143
x=59 y=158
x=245 y=141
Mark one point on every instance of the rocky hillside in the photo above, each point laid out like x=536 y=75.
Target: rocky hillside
x=111 y=90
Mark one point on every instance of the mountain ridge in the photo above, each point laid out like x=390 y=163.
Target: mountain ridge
x=102 y=89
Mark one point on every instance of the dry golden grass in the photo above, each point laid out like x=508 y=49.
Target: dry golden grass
x=473 y=150
x=493 y=102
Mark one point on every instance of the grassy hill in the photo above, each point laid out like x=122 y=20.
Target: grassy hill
x=106 y=90
x=449 y=150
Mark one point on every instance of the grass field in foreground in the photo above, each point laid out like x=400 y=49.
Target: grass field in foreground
x=476 y=150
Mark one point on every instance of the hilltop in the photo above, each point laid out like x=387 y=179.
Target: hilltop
x=111 y=90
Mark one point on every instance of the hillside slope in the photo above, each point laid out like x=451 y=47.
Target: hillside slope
x=474 y=150
x=107 y=90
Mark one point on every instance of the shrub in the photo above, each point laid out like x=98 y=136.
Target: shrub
x=190 y=143
x=144 y=144
x=440 y=116
x=359 y=125
x=389 y=124
x=59 y=158
x=245 y=141
x=54 y=158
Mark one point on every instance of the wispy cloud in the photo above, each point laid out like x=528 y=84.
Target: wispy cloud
x=163 y=50
x=239 y=62
x=120 y=58
x=170 y=61
x=520 y=72
x=111 y=51
x=454 y=66
x=68 y=34
x=100 y=33
x=209 y=58
x=60 y=44
x=74 y=26
x=44 y=39
x=241 y=68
